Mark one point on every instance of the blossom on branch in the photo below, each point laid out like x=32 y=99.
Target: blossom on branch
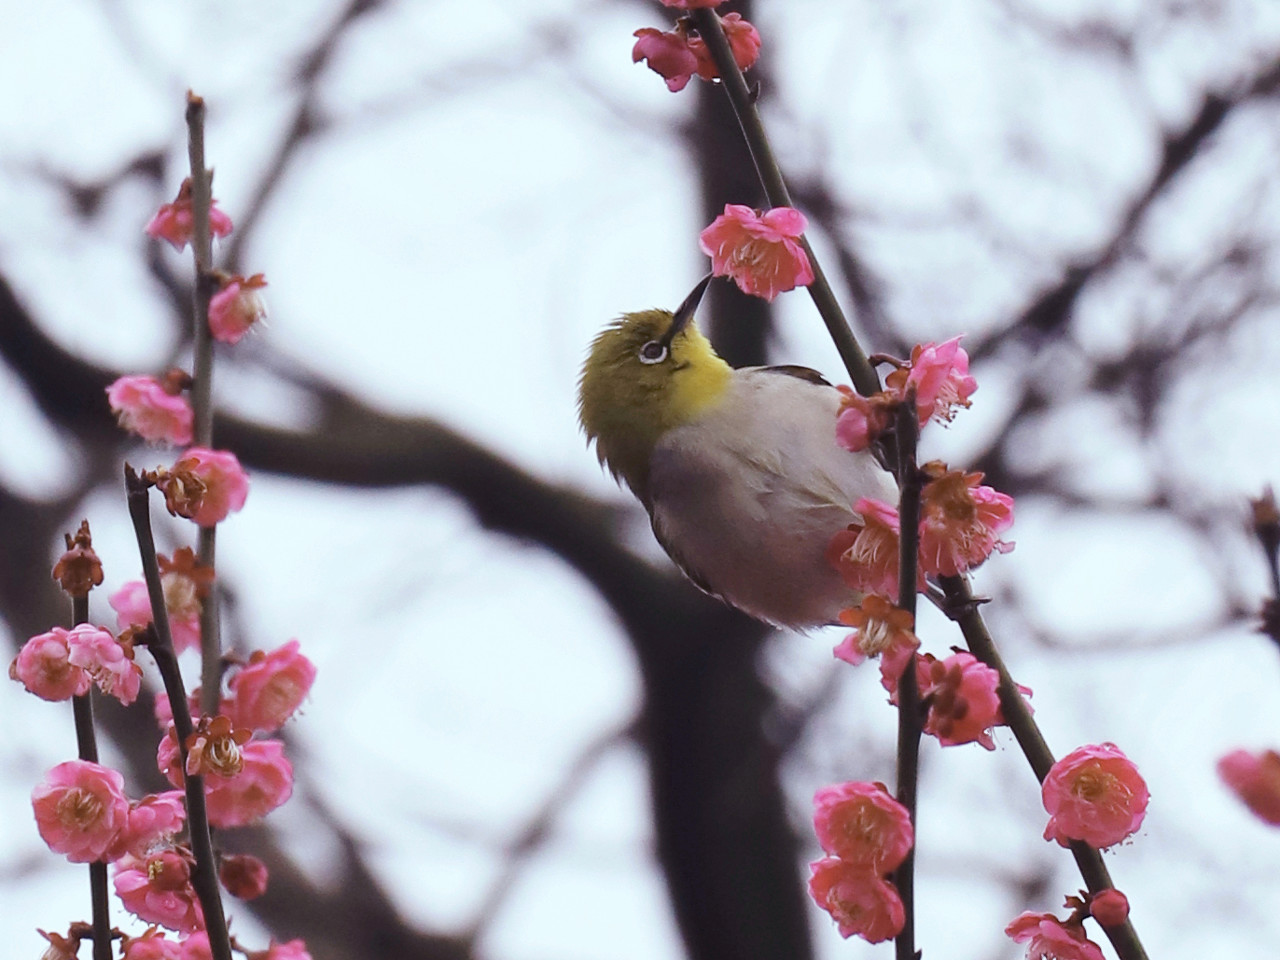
x=175 y=222
x=1094 y=794
x=107 y=661
x=667 y=54
x=860 y=901
x=866 y=555
x=44 y=667
x=152 y=945
x=960 y=694
x=80 y=807
x=267 y=690
x=157 y=889
x=235 y=308
x=744 y=41
x=1255 y=779
x=204 y=485
x=880 y=630
x=1109 y=907
x=760 y=252
x=244 y=875
x=960 y=521
x=1048 y=938
x=862 y=825
x=151 y=409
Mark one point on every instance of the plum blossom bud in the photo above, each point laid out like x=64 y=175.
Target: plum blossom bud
x=860 y=901
x=106 y=660
x=60 y=947
x=237 y=307
x=244 y=876
x=175 y=222
x=1255 y=779
x=1094 y=794
x=269 y=688
x=158 y=889
x=1046 y=936
x=1109 y=907
x=204 y=485
x=667 y=54
x=144 y=406
x=78 y=570
x=761 y=253
x=44 y=667
x=862 y=825
x=79 y=808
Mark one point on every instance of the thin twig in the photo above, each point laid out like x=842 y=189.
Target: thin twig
x=861 y=372
x=907 y=430
x=204 y=877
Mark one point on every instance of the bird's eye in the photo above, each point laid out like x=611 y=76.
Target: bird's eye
x=653 y=352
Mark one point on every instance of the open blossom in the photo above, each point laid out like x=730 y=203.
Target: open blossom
x=861 y=824
x=939 y=373
x=1048 y=938
x=175 y=222
x=862 y=419
x=866 y=555
x=214 y=747
x=196 y=947
x=106 y=660
x=205 y=486
x=44 y=667
x=244 y=875
x=143 y=406
x=158 y=889
x=269 y=688
x=264 y=783
x=667 y=54
x=152 y=945
x=960 y=693
x=80 y=807
x=880 y=630
x=1094 y=794
x=132 y=605
x=760 y=253
x=960 y=521
x=744 y=41
x=151 y=822
x=1255 y=779
x=860 y=901
x=235 y=308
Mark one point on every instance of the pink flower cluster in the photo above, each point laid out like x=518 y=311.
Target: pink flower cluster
x=62 y=663
x=866 y=835
x=761 y=253
x=678 y=55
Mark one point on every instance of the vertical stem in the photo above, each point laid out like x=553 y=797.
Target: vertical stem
x=909 y=720
x=87 y=748
x=202 y=389
x=861 y=371
x=204 y=878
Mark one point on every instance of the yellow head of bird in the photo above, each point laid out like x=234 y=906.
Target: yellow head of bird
x=646 y=373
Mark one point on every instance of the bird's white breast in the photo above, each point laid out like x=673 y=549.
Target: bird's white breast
x=748 y=497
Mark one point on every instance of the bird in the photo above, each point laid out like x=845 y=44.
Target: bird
x=738 y=468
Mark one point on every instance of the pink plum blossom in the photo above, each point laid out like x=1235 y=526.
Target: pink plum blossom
x=880 y=630
x=175 y=222
x=158 y=889
x=960 y=521
x=235 y=308
x=1048 y=938
x=264 y=783
x=196 y=947
x=862 y=419
x=292 y=950
x=106 y=660
x=205 y=486
x=152 y=821
x=939 y=372
x=667 y=53
x=269 y=688
x=1109 y=907
x=80 y=808
x=866 y=555
x=44 y=667
x=1255 y=779
x=862 y=825
x=152 y=945
x=860 y=901
x=143 y=406
x=132 y=605
x=744 y=41
x=1094 y=794
x=761 y=253
x=961 y=696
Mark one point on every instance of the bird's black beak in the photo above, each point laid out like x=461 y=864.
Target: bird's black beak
x=684 y=313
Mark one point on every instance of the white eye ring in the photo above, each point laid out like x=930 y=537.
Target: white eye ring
x=653 y=352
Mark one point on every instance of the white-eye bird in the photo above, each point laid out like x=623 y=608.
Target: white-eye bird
x=738 y=468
